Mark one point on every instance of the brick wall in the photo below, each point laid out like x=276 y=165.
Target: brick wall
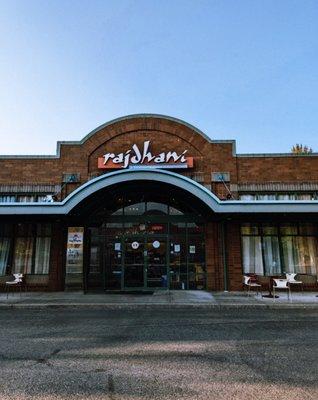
x=234 y=255
x=214 y=261
x=165 y=135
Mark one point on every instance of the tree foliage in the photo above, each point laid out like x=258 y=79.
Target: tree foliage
x=301 y=149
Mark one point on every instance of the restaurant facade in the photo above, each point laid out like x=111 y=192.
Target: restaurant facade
x=149 y=202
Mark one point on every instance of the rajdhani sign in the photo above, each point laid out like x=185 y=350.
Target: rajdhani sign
x=135 y=157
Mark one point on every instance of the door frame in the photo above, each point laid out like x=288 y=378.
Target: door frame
x=145 y=239
x=145 y=236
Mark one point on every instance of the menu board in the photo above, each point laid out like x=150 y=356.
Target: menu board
x=74 y=254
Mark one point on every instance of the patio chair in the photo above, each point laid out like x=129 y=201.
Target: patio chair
x=251 y=283
x=16 y=283
x=282 y=284
x=292 y=281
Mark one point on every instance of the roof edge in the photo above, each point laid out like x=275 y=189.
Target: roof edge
x=112 y=122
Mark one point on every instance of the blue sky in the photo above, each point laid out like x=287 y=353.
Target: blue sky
x=244 y=70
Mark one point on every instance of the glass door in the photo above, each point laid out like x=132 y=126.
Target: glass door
x=134 y=262
x=113 y=264
x=157 y=262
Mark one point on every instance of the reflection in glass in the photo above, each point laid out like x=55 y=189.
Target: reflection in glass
x=155 y=208
x=135 y=209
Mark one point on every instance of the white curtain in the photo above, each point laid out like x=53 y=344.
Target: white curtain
x=300 y=254
x=22 y=261
x=247 y=197
x=266 y=197
x=252 y=255
x=306 y=254
x=304 y=196
x=271 y=255
x=42 y=255
x=26 y=199
x=4 y=254
x=288 y=254
x=286 y=196
x=7 y=199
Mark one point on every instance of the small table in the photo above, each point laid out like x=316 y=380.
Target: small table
x=297 y=283
x=270 y=289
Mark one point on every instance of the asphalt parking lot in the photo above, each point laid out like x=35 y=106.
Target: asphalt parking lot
x=58 y=353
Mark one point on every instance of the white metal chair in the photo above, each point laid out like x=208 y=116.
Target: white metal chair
x=292 y=281
x=282 y=284
x=249 y=284
x=17 y=282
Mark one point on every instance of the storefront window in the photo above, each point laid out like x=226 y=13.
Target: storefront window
x=23 y=251
x=271 y=255
x=114 y=228
x=178 y=227
x=157 y=228
x=300 y=254
x=249 y=229
x=27 y=246
x=7 y=199
x=155 y=208
x=135 y=209
x=174 y=211
x=287 y=229
x=42 y=249
x=135 y=228
x=252 y=255
x=195 y=228
x=308 y=229
x=293 y=249
x=266 y=197
x=4 y=254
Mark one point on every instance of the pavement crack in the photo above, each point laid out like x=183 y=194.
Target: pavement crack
x=45 y=360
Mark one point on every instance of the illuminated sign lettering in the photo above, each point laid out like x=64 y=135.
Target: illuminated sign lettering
x=135 y=157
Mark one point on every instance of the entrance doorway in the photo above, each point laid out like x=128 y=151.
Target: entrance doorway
x=145 y=242
x=174 y=260
x=144 y=262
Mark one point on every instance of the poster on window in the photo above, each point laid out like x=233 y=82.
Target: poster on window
x=74 y=255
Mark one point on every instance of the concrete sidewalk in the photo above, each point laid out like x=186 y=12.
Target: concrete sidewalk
x=158 y=299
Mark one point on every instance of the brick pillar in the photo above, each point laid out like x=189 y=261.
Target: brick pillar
x=57 y=257
x=234 y=255
x=213 y=256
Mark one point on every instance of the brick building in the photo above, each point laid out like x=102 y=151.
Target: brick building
x=150 y=202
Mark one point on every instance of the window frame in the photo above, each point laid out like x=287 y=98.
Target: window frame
x=14 y=235
x=279 y=235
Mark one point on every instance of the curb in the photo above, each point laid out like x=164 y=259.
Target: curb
x=129 y=306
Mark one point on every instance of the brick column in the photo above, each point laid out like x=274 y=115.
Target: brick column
x=234 y=255
x=213 y=256
x=57 y=257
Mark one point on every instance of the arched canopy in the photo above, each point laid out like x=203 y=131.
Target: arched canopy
x=156 y=175
x=146 y=175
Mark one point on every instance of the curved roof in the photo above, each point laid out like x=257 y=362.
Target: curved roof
x=157 y=175
x=117 y=120
x=134 y=116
